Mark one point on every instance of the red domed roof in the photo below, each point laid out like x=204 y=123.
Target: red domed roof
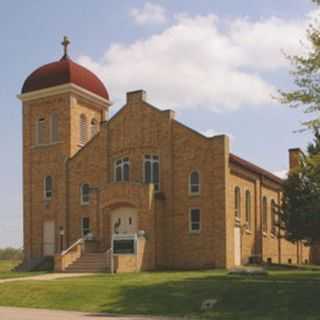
x=63 y=72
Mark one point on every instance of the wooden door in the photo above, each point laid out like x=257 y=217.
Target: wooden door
x=48 y=238
x=237 y=246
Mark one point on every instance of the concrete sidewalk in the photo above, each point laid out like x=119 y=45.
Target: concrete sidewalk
x=40 y=314
x=48 y=276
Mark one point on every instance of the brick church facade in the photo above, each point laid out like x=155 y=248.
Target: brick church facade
x=138 y=191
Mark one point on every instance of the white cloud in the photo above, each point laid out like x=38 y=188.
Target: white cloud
x=283 y=174
x=149 y=14
x=264 y=41
x=202 y=61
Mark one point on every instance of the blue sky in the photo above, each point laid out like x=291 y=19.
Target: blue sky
x=184 y=53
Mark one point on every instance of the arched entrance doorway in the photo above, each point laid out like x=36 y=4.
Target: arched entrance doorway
x=124 y=228
x=124 y=221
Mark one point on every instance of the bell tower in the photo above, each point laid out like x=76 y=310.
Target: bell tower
x=63 y=106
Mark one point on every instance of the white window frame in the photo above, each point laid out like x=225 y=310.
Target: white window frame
x=82 y=227
x=45 y=191
x=152 y=161
x=84 y=203
x=54 y=127
x=190 y=185
x=191 y=223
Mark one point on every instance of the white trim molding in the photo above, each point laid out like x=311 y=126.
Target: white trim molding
x=65 y=88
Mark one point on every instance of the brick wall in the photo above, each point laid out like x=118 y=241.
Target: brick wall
x=140 y=129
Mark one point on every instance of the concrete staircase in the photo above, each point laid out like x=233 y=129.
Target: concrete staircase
x=90 y=263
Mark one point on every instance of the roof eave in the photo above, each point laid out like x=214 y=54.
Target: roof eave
x=65 y=88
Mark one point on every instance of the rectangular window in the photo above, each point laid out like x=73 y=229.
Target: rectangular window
x=195 y=220
x=194 y=183
x=121 y=170
x=85 y=226
x=152 y=171
x=84 y=194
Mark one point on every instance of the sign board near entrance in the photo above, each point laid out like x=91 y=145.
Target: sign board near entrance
x=124 y=244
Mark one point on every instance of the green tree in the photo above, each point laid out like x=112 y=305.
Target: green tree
x=11 y=254
x=300 y=210
x=306 y=74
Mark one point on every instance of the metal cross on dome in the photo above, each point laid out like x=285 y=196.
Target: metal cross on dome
x=65 y=44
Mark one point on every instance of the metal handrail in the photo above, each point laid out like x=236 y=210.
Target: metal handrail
x=109 y=253
x=79 y=241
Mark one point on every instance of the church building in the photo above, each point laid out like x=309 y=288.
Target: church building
x=140 y=190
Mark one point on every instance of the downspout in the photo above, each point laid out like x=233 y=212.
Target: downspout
x=261 y=222
x=279 y=234
x=66 y=172
x=98 y=213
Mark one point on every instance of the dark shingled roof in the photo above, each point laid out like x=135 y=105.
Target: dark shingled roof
x=63 y=72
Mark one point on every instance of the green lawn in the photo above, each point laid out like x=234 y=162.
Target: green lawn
x=6 y=272
x=280 y=295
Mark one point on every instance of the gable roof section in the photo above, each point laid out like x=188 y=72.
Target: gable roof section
x=253 y=168
x=232 y=157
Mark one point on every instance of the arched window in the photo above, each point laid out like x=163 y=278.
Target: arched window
x=152 y=171
x=248 y=209
x=41 y=131
x=83 y=130
x=54 y=127
x=84 y=194
x=273 y=217
x=237 y=203
x=121 y=170
x=264 y=215
x=47 y=187
x=94 y=127
x=194 y=183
